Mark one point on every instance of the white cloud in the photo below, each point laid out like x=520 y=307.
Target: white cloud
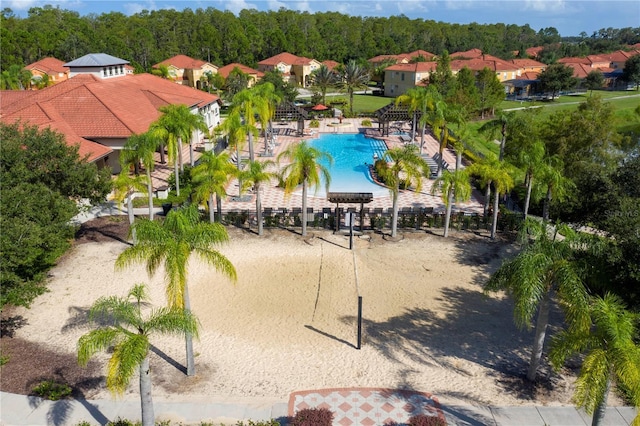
x=21 y=4
x=236 y=6
x=411 y=7
x=275 y=4
x=545 y=5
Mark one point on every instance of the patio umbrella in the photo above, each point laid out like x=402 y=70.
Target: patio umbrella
x=320 y=107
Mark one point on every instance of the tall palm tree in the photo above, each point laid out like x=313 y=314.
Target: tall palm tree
x=176 y=124
x=555 y=183
x=171 y=243
x=266 y=102
x=124 y=187
x=322 y=79
x=531 y=160
x=544 y=268
x=502 y=183
x=484 y=170
x=141 y=148
x=304 y=168
x=417 y=102
x=351 y=78
x=454 y=187
x=125 y=334
x=256 y=174
x=611 y=354
x=407 y=167
x=245 y=102
x=210 y=178
x=441 y=117
x=237 y=136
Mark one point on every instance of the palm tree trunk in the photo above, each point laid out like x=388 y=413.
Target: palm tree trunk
x=447 y=216
x=599 y=412
x=424 y=129
x=219 y=207
x=251 y=155
x=180 y=154
x=304 y=208
x=146 y=402
x=487 y=197
x=188 y=338
x=259 y=209
x=546 y=205
x=150 y=193
x=494 y=221
x=162 y=159
x=212 y=216
x=131 y=216
x=176 y=172
x=413 y=126
x=191 y=160
x=541 y=331
x=394 y=217
x=527 y=199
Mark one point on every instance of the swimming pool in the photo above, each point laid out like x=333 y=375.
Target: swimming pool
x=351 y=154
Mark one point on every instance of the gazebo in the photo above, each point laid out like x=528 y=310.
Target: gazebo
x=288 y=111
x=393 y=112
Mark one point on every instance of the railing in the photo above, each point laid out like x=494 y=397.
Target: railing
x=375 y=220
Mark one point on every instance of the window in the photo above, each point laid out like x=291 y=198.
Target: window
x=402 y=77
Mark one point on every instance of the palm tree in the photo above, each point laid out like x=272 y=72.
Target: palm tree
x=484 y=170
x=141 y=148
x=544 y=268
x=255 y=175
x=556 y=184
x=407 y=168
x=530 y=159
x=611 y=354
x=304 y=168
x=502 y=183
x=353 y=77
x=323 y=79
x=417 y=102
x=171 y=244
x=176 y=124
x=237 y=135
x=454 y=187
x=210 y=178
x=245 y=102
x=266 y=102
x=441 y=116
x=125 y=186
x=125 y=334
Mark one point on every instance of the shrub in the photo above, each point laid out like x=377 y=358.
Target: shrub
x=52 y=390
x=122 y=422
x=366 y=123
x=424 y=420
x=271 y=422
x=313 y=417
x=314 y=123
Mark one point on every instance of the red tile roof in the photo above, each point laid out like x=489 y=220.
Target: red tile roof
x=224 y=71
x=283 y=57
x=534 y=51
x=382 y=58
x=522 y=63
x=469 y=54
x=183 y=62
x=86 y=107
x=413 y=67
x=419 y=53
x=49 y=66
x=621 y=55
x=330 y=64
x=479 y=64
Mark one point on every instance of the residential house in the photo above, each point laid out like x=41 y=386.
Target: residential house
x=295 y=70
x=254 y=75
x=504 y=70
x=331 y=65
x=187 y=71
x=401 y=77
x=52 y=67
x=618 y=58
x=100 y=106
x=528 y=65
x=591 y=61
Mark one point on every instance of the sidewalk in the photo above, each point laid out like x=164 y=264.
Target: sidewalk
x=22 y=410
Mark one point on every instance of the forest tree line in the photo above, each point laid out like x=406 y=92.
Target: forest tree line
x=221 y=37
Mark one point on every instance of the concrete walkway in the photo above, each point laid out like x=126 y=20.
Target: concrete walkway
x=23 y=410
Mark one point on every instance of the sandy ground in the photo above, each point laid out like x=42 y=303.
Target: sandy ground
x=289 y=323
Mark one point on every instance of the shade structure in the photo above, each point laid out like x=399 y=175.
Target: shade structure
x=320 y=107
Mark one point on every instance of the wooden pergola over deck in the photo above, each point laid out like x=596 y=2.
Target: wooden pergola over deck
x=349 y=197
x=288 y=111
x=390 y=113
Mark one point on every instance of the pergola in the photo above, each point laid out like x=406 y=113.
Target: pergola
x=349 y=197
x=288 y=111
x=393 y=112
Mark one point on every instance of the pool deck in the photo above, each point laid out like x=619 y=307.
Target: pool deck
x=273 y=197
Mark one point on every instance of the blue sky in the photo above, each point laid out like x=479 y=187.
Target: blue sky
x=569 y=17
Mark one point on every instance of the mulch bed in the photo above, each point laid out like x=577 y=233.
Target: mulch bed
x=30 y=363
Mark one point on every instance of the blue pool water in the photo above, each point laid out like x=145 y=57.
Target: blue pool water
x=351 y=153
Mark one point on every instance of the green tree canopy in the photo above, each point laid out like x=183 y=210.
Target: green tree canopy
x=42 y=179
x=557 y=77
x=631 y=71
